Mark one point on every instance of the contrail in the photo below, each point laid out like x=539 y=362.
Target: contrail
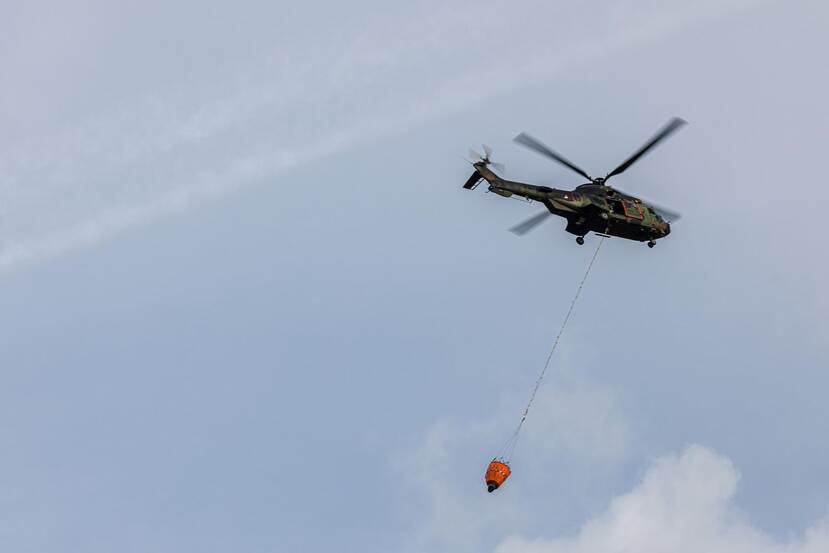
x=174 y=148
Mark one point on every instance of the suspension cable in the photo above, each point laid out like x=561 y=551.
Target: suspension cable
x=508 y=449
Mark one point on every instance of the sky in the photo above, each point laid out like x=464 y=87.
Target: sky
x=246 y=305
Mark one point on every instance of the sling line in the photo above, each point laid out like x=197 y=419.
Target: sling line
x=508 y=450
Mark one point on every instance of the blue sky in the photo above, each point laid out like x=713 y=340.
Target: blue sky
x=247 y=306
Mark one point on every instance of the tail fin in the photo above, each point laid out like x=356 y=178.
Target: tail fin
x=482 y=170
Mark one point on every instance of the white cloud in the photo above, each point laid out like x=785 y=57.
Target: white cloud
x=441 y=478
x=575 y=423
x=684 y=504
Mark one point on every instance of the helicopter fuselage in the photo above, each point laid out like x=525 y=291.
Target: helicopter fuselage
x=590 y=207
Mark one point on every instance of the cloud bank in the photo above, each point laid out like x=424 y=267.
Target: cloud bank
x=684 y=504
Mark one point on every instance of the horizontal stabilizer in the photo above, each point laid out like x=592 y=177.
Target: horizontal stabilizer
x=473 y=181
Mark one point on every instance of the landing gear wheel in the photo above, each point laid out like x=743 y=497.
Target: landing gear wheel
x=580 y=240
x=651 y=243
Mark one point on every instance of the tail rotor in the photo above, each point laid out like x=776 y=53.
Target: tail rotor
x=485 y=158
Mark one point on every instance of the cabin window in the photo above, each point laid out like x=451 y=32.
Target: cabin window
x=616 y=207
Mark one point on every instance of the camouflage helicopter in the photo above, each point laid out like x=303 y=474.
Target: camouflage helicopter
x=593 y=206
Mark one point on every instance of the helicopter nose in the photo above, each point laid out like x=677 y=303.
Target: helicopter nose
x=667 y=229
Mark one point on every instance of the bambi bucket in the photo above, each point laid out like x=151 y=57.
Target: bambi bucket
x=496 y=473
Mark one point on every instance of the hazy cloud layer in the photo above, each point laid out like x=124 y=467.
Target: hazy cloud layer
x=239 y=120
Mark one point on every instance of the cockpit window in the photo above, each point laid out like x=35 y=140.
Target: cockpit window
x=632 y=209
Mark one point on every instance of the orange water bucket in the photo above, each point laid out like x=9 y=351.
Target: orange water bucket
x=496 y=473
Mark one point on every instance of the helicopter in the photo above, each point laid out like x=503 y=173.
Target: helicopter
x=593 y=206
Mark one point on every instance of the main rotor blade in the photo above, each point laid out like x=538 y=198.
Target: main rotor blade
x=526 y=140
x=667 y=214
x=663 y=133
x=523 y=228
